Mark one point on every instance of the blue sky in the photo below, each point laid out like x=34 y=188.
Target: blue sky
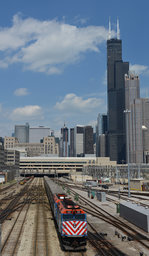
x=53 y=58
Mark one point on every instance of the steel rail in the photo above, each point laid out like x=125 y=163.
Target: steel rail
x=114 y=221
x=40 y=222
x=14 y=225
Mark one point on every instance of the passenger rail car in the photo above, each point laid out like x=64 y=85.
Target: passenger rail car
x=70 y=218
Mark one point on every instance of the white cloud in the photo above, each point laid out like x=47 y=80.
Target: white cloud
x=28 y=112
x=21 y=92
x=139 y=69
x=73 y=103
x=46 y=46
x=79 y=20
x=54 y=70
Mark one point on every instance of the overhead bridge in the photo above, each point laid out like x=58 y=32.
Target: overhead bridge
x=57 y=166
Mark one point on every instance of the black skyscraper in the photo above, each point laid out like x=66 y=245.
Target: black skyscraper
x=116 y=69
x=88 y=140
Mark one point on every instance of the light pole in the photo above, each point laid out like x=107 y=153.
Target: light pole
x=127 y=112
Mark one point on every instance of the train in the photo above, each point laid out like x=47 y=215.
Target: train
x=23 y=181
x=70 y=219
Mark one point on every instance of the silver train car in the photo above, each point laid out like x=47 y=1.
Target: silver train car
x=70 y=219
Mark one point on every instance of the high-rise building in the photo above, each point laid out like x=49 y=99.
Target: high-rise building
x=22 y=133
x=145 y=129
x=135 y=132
x=133 y=104
x=79 y=140
x=71 y=153
x=88 y=140
x=138 y=121
x=116 y=69
x=132 y=89
x=2 y=156
x=101 y=129
x=2 y=140
x=64 y=142
x=36 y=134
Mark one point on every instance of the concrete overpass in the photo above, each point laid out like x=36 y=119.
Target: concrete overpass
x=59 y=165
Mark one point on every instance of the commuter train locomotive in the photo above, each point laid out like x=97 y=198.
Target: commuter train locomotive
x=70 y=218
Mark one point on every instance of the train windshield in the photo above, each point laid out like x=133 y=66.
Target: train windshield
x=73 y=216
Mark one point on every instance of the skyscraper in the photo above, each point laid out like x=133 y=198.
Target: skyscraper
x=116 y=69
x=88 y=140
x=22 y=133
x=36 y=134
x=145 y=129
x=79 y=140
x=133 y=103
x=64 y=142
x=101 y=128
x=71 y=153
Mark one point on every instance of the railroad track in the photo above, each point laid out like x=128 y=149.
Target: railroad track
x=7 y=187
x=12 y=205
x=41 y=233
x=20 y=205
x=122 y=195
x=11 y=195
x=126 y=198
x=9 y=246
x=119 y=224
x=100 y=213
x=103 y=246
x=115 y=194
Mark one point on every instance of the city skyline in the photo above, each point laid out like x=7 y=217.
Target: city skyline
x=53 y=59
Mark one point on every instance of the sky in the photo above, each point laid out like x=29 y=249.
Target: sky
x=53 y=59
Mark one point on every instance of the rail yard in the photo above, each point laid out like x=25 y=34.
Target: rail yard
x=31 y=225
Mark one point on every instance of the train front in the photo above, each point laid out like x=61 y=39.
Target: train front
x=73 y=226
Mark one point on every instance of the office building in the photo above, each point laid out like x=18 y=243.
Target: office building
x=102 y=145
x=79 y=141
x=132 y=89
x=9 y=142
x=12 y=158
x=64 y=142
x=2 y=157
x=145 y=129
x=48 y=146
x=36 y=134
x=88 y=140
x=116 y=69
x=2 y=140
x=22 y=133
x=138 y=121
x=135 y=132
x=101 y=128
x=71 y=153
x=9 y=159
x=134 y=105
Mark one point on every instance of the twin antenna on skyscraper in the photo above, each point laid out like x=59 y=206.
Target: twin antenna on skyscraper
x=118 y=29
